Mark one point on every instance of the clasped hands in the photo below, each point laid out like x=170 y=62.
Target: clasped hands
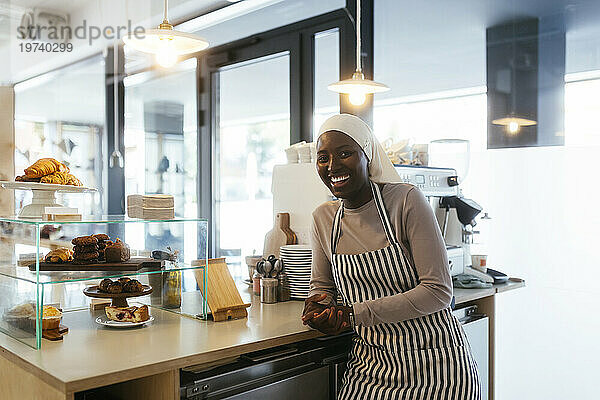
x=331 y=320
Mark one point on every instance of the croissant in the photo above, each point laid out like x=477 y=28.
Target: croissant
x=25 y=178
x=61 y=178
x=59 y=255
x=45 y=166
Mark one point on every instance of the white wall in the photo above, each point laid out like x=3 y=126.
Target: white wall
x=545 y=230
x=544 y=225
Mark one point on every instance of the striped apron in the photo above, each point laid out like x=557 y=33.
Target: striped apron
x=423 y=358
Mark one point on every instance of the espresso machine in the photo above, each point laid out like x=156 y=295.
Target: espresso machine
x=438 y=184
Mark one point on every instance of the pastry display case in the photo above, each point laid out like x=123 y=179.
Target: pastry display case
x=123 y=266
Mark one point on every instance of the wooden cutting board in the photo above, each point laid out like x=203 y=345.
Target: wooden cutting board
x=55 y=334
x=222 y=296
x=133 y=264
x=280 y=235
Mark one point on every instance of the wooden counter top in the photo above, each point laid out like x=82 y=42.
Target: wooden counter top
x=466 y=295
x=91 y=355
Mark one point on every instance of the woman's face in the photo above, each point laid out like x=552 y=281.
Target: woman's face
x=342 y=165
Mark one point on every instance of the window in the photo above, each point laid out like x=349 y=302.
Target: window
x=251 y=140
x=161 y=145
x=61 y=115
x=327 y=71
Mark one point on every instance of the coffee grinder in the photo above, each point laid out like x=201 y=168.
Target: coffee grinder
x=456 y=218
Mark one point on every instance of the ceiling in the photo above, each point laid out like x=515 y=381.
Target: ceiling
x=420 y=47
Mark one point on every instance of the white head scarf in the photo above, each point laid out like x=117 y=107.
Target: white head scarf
x=381 y=169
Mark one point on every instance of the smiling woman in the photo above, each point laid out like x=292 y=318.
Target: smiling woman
x=381 y=249
x=343 y=168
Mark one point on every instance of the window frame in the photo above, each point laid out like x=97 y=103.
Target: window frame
x=298 y=40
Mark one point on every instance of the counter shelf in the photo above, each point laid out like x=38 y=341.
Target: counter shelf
x=24 y=292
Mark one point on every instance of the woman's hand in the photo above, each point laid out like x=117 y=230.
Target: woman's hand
x=312 y=308
x=333 y=320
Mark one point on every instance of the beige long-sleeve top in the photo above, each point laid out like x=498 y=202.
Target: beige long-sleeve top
x=416 y=230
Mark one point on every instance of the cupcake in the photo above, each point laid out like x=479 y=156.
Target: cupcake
x=51 y=318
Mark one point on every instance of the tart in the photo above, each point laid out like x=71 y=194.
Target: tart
x=128 y=314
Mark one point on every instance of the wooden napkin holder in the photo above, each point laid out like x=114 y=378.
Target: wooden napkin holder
x=223 y=297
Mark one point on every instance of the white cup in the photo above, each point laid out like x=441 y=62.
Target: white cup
x=479 y=262
x=304 y=153
x=313 y=151
x=292 y=155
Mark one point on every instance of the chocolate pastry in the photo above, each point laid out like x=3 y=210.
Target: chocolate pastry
x=101 y=237
x=115 y=287
x=104 y=245
x=45 y=166
x=104 y=284
x=61 y=178
x=117 y=252
x=85 y=256
x=133 y=286
x=124 y=280
x=92 y=248
x=84 y=241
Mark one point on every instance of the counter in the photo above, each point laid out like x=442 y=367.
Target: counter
x=147 y=359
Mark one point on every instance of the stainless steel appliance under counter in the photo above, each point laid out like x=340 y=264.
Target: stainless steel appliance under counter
x=476 y=327
x=311 y=369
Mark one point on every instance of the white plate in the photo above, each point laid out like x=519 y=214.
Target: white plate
x=103 y=320
x=45 y=186
x=296 y=247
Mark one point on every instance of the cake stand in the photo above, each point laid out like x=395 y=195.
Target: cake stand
x=118 y=299
x=44 y=195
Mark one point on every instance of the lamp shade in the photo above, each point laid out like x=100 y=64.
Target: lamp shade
x=154 y=40
x=506 y=121
x=358 y=83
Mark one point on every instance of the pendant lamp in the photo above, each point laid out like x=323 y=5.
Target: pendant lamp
x=358 y=87
x=165 y=43
x=512 y=121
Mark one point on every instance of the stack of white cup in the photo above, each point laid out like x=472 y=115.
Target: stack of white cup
x=301 y=152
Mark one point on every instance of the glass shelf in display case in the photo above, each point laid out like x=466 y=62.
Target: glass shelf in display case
x=28 y=282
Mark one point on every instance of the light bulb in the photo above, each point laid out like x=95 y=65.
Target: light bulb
x=165 y=56
x=513 y=127
x=357 y=98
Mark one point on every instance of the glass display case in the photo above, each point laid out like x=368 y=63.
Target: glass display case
x=166 y=257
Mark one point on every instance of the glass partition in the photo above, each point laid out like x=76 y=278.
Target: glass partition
x=171 y=276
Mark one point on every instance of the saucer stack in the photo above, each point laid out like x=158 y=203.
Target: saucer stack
x=297 y=260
